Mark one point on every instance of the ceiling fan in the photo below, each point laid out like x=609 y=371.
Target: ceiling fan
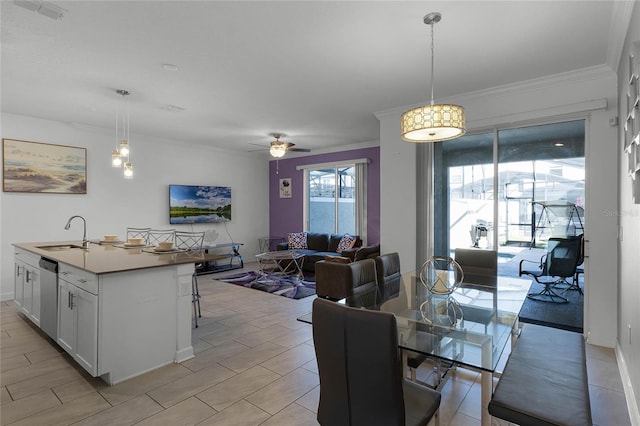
x=278 y=148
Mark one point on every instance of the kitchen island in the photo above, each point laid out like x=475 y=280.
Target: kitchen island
x=121 y=311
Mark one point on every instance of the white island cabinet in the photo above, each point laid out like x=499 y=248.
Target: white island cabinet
x=121 y=312
x=78 y=317
x=122 y=324
x=27 y=284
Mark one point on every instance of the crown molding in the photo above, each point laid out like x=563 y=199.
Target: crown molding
x=585 y=74
x=620 y=21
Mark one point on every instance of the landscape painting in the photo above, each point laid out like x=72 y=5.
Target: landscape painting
x=43 y=168
x=199 y=204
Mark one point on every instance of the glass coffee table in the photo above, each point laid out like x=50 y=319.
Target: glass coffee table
x=280 y=263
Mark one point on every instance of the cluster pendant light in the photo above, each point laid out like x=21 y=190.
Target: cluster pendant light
x=120 y=157
x=433 y=122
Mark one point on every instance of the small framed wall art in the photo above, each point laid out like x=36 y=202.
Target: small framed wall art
x=37 y=167
x=285 y=188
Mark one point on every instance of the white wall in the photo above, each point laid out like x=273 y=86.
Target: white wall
x=589 y=94
x=113 y=203
x=628 y=214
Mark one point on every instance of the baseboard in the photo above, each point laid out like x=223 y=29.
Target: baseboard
x=6 y=297
x=629 y=395
x=184 y=354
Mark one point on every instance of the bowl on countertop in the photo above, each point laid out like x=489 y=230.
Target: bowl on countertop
x=110 y=237
x=135 y=241
x=165 y=245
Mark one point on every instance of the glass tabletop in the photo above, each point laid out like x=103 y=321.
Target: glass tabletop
x=279 y=255
x=471 y=326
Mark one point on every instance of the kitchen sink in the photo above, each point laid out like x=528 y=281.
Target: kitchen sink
x=61 y=247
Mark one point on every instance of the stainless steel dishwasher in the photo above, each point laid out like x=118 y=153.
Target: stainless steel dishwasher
x=49 y=297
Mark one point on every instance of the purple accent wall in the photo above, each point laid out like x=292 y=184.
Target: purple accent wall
x=285 y=214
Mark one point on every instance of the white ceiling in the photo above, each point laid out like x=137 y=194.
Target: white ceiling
x=313 y=70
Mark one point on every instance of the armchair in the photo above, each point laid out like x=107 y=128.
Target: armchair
x=560 y=263
x=354 y=281
x=359 y=253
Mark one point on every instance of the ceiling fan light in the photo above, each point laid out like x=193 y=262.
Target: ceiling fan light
x=433 y=123
x=277 y=150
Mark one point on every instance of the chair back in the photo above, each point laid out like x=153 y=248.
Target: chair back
x=388 y=274
x=358 y=364
x=161 y=235
x=365 y=292
x=563 y=255
x=138 y=233
x=581 y=256
x=479 y=266
x=191 y=241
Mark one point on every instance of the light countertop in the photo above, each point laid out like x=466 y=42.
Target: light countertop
x=108 y=258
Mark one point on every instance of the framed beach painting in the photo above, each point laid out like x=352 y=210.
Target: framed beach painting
x=43 y=168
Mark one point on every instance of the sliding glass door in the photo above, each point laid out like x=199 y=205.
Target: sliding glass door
x=331 y=200
x=509 y=190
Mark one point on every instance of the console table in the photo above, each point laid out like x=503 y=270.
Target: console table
x=231 y=259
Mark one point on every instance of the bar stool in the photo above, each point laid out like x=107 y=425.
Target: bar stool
x=138 y=233
x=161 y=235
x=192 y=241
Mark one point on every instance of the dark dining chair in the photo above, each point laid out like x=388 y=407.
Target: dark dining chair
x=360 y=374
x=559 y=264
x=480 y=268
x=388 y=275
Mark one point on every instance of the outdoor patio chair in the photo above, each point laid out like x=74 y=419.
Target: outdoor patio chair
x=556 y=267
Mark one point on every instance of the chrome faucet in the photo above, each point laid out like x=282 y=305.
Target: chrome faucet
x=85 y=242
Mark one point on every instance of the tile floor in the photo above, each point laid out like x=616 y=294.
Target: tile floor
x=254 y=365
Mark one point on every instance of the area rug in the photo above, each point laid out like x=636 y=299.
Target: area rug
x=290 y=287
x=566 y=316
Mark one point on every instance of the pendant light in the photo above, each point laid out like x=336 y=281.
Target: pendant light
x=121 y=155
x=433 y=122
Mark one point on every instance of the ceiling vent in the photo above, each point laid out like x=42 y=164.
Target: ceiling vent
x=42 y=7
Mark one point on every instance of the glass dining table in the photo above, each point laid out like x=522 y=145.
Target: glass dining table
x=470 y=327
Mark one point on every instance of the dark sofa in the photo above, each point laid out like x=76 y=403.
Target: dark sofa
x=318 y=246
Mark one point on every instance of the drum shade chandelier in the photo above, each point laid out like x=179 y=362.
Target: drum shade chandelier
x=433 y=122
x=120 y=157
